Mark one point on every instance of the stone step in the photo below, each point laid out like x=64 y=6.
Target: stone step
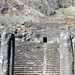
x=52 y=70
x=28 y=70
x=31 y=61
x=52 y=73
x=33 y=66
x=34 y=73
x=20 y=69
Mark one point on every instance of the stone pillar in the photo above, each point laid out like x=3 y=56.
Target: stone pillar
x=12 y=54
x=66 y=54
x=4 y=53
x=3 y=67
x=7 y=52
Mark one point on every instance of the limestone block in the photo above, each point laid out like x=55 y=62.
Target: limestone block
x=66 y=54
x=7 y=54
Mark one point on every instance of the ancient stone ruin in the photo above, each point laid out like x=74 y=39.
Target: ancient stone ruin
x=7 y=54
x=46 y=63
x=66 y=54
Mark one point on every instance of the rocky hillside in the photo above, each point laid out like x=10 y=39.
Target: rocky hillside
x=17 y=12
x=48 y=7
x=36 y=11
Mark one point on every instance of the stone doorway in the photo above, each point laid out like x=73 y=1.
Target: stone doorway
x=45 y=39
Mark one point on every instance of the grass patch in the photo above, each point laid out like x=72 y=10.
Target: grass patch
x=38 y=46
x=37 y=35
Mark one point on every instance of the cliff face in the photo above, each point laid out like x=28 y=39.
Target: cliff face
x=69 y=1
x=28 y=10
x=48 y=6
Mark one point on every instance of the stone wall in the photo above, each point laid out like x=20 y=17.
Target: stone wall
x=66 y=54
x=44 y=58
x=7 y=53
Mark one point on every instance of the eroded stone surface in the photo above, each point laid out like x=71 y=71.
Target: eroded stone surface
x=7 y=54
x=66 y=54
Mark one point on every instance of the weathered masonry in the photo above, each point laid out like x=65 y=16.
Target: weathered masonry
x=66 y=54
x=7 y=54
x=36 y=58
x=46 y=58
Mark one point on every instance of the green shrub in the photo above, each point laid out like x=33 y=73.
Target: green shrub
x=41 y=43
x=37 y=35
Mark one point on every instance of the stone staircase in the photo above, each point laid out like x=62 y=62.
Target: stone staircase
x=29 y=60
x=53 y=63
x=53 y=60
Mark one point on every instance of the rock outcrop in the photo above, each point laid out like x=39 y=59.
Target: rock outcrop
x=66 y=54
x=48 y=6
x=7 y=54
